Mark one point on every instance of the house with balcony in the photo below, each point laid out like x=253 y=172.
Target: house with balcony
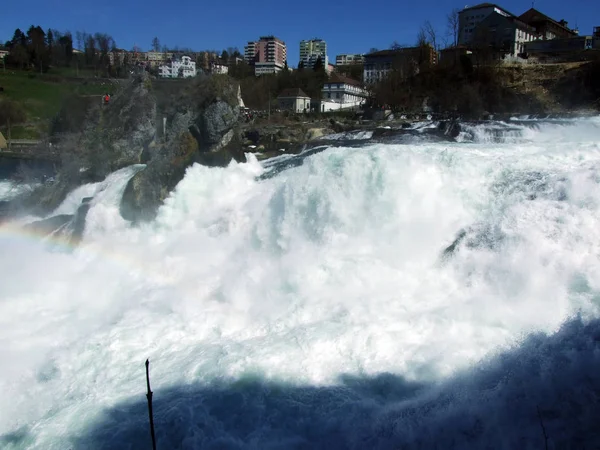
x=294 y=100
x=179 y=68
x=341 y=92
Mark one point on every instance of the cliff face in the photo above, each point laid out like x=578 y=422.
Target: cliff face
x=165 y=124
x=195 y=124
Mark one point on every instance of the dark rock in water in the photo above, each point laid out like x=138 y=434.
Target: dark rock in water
x=51 y=225
x=339 y=127
x=451 y=249
x=78 y=224
x=450 y=128
x=70 y=227
x=481 y=236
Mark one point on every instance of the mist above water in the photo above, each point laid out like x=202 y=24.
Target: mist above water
x=371 y=287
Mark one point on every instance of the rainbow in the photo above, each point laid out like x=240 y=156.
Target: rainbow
x=12 y=232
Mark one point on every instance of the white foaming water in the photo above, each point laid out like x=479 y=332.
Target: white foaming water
x=10 y=190
x=332 y=268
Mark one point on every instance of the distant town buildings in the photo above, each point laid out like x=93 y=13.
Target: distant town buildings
x=178 y=68
x=267 y=55
x=347 y=59
x=489 y=28
x=311 y=51
x=405 y=61
x=218 y=68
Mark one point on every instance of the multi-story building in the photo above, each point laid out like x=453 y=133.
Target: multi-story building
x=310 y=61
x=180 y=68
x=347 y=59
x=157 y=58
x=405 y=61
x=267 y=55
x=502 y=35
x=343 y=90
x=546 y=27
x=311 y=51
x=470 y=17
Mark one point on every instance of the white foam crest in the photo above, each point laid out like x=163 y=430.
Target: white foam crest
x=538 y=131
x=10 y=190
x=349 y=136
x=331 y=267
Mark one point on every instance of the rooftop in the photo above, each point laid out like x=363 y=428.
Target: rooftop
x=391 y=52
x=337 y=78
x=486 y=5
x=533 y=15
x=292 y=93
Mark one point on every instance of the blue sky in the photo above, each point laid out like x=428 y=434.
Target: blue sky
x=348 y=27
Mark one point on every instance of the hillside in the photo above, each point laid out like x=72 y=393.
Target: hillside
x=42 y=96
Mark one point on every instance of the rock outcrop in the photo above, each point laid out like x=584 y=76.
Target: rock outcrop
x=165 y=124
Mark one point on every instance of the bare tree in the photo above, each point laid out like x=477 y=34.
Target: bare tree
x=430 y=34
x=156 y=44
x=452 y=26
x=421 y=38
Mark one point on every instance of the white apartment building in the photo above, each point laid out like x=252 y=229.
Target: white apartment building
x=182 y=68
x=311 y=50
x=347 y=59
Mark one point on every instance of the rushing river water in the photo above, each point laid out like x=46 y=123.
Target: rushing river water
x=413 y=295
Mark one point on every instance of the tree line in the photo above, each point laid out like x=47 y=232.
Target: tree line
x=42 y=50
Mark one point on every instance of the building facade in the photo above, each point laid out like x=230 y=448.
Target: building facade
x=310 y=61
x=267 y=55
x=343 y=90
x=293 y=100
x=405 y=61
x=502 y=35
x=546 y=27
x=347 y=59
x=181 y=68
x=470 y=17
x=559 y=47
x=219 y=68
x=311 y=51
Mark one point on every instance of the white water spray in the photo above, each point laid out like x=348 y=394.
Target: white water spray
x=332 y=268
